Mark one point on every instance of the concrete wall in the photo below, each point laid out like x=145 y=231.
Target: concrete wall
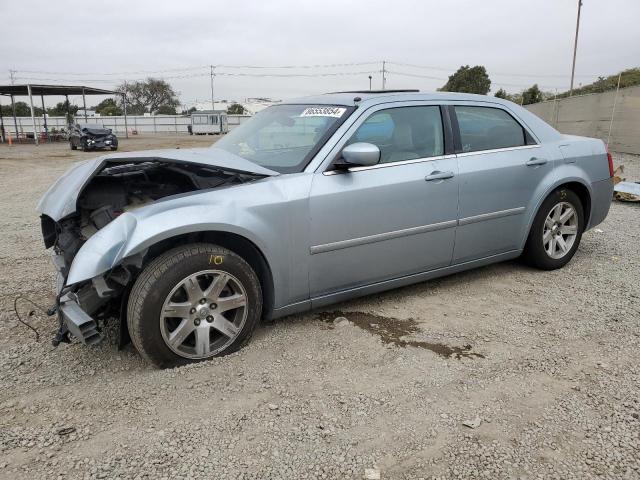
x=590 y=116
x=158 y=124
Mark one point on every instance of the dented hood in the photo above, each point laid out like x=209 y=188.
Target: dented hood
x=61 y=198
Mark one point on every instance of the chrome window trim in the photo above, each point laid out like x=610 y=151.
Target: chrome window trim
x=429 y=159
x=390 y=164
x=357 y=119
x=497 y=150
x=490 y=216
x=379 y=237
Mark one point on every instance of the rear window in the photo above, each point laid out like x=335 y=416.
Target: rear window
x=486 y=128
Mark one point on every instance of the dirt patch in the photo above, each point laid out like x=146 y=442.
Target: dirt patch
x=393 y=330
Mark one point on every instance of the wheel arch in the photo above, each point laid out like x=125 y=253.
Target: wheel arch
x=238 y=244
x=576 y=185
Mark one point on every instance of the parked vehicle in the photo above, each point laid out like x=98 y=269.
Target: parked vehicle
x=91 y=137
x=309 y=203
x=209 y=122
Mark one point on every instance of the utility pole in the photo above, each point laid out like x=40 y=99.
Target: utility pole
x=370 y=77
x=213 y=105
x=384 y=76
x=11 y=75
x=575 y=48
x=613 y=111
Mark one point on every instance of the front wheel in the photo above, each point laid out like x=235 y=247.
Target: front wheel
x=193 y=303
x=556 y=231
x=73 y=147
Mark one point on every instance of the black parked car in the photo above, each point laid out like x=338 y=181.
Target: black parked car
x=91 y=136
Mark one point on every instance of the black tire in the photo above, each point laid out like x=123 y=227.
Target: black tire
x=534 y=252
x=73 y=147
x=158 y=280
x=114 y=148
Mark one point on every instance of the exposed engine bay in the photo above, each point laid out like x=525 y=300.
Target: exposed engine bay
x=121 y=187
x=116 y=188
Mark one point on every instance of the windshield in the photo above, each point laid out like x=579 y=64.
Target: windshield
x=284 y=137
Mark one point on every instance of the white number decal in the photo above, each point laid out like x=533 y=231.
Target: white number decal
x=323 y=112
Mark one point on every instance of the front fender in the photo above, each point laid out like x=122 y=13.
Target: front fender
x=134 y=232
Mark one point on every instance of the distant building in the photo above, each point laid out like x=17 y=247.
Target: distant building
x=251 y=105
x=90 y=113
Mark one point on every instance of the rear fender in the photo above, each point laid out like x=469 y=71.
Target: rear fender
x=565 y=174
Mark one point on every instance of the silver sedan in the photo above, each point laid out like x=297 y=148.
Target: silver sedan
x=311 y=202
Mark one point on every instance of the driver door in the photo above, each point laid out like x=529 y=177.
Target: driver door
x=397 y=218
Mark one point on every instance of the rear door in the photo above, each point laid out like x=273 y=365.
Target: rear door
x=500 y=168
x=397 y=218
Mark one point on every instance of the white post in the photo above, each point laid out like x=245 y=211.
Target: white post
x=213 y=105
x=33 y=117
x=555 y=109
x=613 y=110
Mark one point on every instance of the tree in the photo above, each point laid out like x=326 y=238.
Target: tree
x=532 y=95
x=148 y=96
x=22 y=110
x=108 y=107
x=628 y=78
x=166 y=110
x=469 y=80
x=502 y=94
x=60 y=110
x=235 y=109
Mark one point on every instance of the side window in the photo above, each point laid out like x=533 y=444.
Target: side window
x=486 y=128
x=403 y=133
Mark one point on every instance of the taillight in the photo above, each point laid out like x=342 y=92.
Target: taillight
x=610 y=158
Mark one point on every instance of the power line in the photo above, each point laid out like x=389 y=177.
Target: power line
x=453 y=69
x=224 y=74
x=199 y=67
x=328 y=65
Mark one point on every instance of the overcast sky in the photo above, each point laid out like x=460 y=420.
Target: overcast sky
x=519 y=41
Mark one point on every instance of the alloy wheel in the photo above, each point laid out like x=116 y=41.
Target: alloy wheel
x=203 y=314
x=560 y=230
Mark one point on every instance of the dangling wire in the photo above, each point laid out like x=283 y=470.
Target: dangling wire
x=26 y=324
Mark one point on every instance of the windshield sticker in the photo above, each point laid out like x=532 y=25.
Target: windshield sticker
x=336 y=112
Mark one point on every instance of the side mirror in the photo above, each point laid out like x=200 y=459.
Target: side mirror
x=360 y=154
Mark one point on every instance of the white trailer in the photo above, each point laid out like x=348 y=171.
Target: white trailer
x=209 y=122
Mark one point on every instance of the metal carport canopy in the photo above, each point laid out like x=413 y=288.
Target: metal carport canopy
x=29 y=90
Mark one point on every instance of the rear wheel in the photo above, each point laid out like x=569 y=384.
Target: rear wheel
x=556 y=231
x=193 y=303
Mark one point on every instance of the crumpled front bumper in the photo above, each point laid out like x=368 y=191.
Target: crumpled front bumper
x=78 y=322
x=101 y=143
x=70 y=308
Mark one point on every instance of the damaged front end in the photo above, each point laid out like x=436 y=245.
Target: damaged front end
x=90 y=214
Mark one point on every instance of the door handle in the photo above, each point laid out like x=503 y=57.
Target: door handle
x=533 y=161
x=437 y=175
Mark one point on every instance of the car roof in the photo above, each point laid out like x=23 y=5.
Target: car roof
x=366 y=99
x=374 y=97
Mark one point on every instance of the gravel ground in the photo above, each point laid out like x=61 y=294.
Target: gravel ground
x=546 y=362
